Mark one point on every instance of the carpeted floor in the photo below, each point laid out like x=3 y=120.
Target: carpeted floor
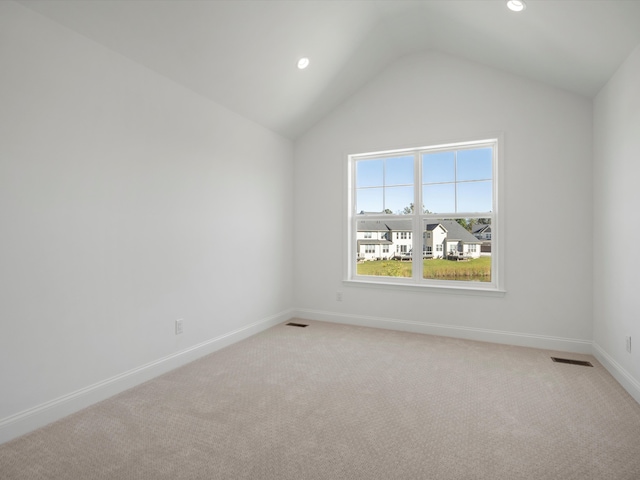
x=341 y=402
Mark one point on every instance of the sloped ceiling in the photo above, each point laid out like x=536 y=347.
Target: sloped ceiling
x=242 y=54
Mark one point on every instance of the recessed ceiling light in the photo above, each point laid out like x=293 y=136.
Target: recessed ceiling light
x=303 y=63
x=516 y=5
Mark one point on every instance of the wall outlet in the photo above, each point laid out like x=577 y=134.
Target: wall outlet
x=338 y=296
x=179 y=326
x=628 y=341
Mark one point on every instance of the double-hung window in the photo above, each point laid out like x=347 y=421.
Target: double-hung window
x=430 y=201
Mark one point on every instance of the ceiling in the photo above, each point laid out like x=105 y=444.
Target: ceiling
x=242 y=54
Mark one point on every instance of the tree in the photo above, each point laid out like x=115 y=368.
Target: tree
x=463 y=222
x=409 y=210
x=469 y=223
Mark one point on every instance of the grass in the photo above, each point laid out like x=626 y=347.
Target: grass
x=478 y=269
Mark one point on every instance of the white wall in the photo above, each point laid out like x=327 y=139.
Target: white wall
x=616 y=198
x=126 y=202
x=433 y=98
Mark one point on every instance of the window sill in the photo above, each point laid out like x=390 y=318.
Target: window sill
x=474 y=290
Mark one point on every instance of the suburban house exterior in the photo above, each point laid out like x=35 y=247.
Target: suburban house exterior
x=483 y=232
x=387 y=239
x=374 y=240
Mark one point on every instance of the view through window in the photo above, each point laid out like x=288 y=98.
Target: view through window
x=448 y=239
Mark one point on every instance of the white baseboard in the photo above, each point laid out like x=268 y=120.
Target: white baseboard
x=467 y=333
x=41 y=415
x=624 y=378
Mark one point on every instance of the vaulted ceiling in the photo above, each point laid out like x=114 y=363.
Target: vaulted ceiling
x=242 y=54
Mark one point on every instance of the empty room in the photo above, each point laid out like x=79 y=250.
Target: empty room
x=212 y=213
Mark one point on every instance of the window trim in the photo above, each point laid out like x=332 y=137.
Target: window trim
x=416 y=283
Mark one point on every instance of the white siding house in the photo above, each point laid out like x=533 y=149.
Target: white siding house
x=381 y=240
x=459 y=244
x=483 y=232
x=402 y=241
x=374 y=242
x=435 y=236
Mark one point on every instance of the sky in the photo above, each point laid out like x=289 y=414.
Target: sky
x=452 y=182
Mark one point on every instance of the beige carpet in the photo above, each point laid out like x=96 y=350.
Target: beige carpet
x=339 y=402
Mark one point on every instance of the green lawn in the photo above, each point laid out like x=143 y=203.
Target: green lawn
x=478 y=269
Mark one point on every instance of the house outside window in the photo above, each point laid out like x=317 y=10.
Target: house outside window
x=456 y=186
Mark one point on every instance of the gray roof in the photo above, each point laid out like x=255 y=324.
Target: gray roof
x=431 y=227
x=372 y=226
x=455 y=231
x=400 y=225
x=481 y=228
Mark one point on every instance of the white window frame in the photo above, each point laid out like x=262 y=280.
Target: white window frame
x=495 y=286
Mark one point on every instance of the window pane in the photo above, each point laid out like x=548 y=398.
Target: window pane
x=399 y=199
x=457 y=250
x=439 y=198
x=438 y=167
x=369 y=200
x=474 y=164
x=399 y=171
x=394 y=177
x=475 y=197
x=369 y=173
x=384 y=248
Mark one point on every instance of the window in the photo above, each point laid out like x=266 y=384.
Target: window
x=456 y=186
x=367 y=234
x=369 y=249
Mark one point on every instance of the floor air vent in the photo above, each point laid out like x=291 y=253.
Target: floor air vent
x=292 y=324
x=572 y=362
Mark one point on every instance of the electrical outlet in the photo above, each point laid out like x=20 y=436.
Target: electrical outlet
x=628 y=340
x=179 y=326
x=339 y=296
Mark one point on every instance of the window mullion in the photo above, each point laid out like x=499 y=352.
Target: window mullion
x=417 y=215
x=384 y=185
x=455 y=181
